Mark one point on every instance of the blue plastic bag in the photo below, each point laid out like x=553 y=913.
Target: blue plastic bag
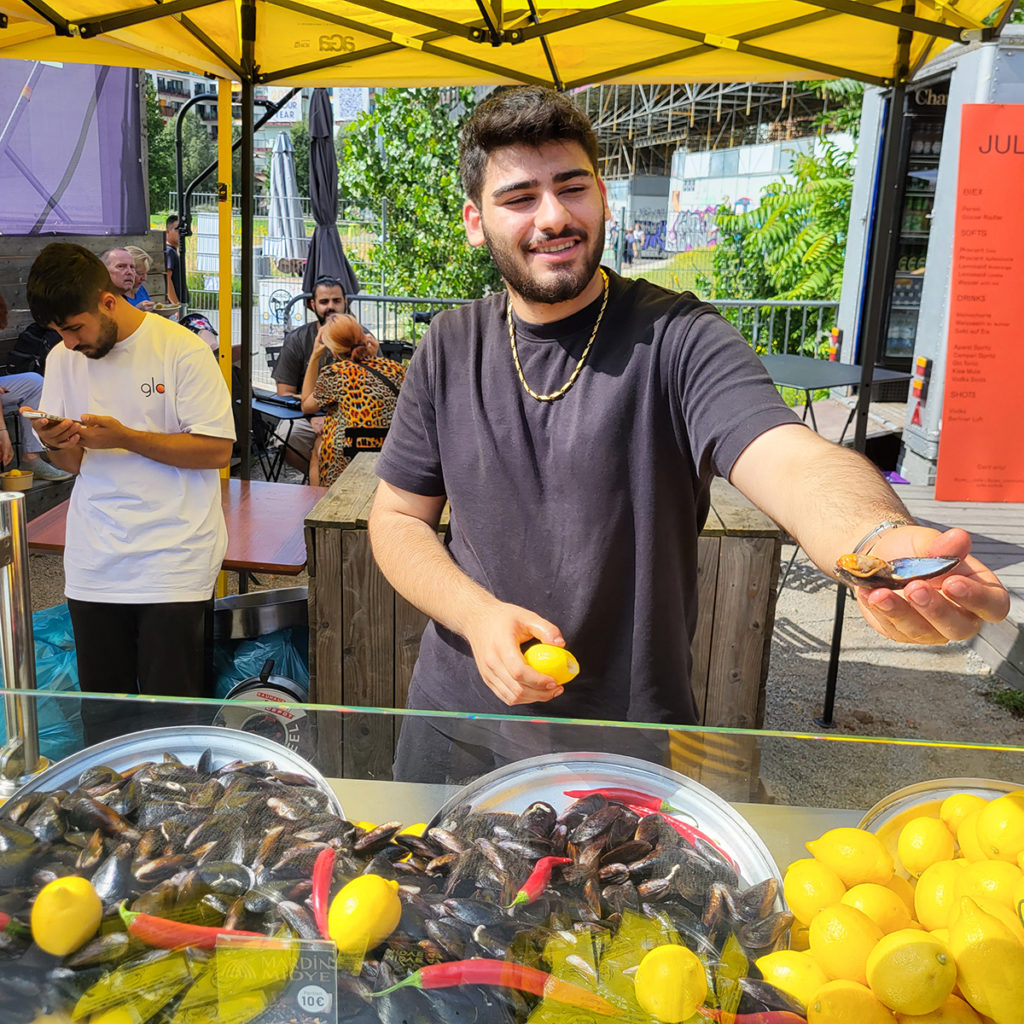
x=237 y=660
x=60 y=721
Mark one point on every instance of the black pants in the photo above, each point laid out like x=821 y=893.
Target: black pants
x=149 y=649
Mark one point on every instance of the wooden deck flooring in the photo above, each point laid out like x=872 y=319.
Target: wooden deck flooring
x=997 y=530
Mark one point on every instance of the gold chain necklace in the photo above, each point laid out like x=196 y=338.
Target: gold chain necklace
x=579 y=366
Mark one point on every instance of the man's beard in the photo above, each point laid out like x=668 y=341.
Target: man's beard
x=331 y=312
x=511 y=264
x=107 y=338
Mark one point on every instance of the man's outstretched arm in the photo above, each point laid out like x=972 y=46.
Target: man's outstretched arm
x=829 y=497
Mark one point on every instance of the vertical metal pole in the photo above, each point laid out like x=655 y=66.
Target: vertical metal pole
x=883 y=248
x=884 y=236
x=245 y=186
x=17 y=644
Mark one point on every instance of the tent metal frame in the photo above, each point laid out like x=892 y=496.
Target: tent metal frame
x=496 y=27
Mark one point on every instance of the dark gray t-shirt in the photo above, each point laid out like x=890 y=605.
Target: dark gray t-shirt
x=295 y=352
x=585 y=510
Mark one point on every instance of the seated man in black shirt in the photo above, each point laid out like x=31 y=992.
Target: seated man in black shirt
x=328 y=298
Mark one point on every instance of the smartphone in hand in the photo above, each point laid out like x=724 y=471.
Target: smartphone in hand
x=51 y=419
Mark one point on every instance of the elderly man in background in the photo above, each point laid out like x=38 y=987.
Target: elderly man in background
x=16 y=390
x=121 y=267
x=137 y=294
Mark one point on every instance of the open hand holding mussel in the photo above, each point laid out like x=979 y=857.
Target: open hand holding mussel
x=869 y=571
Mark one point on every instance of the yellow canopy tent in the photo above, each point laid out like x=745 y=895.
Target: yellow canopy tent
x=382 y=42
x=450 y=42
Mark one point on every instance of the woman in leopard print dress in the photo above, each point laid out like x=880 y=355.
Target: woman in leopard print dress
x=353 y=393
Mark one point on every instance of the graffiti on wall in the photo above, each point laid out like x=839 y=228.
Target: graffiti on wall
x=692 y=229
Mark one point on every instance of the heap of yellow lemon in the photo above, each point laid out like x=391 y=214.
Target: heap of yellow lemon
x=933 y=936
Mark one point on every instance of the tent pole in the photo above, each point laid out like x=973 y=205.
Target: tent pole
x=883 y=248
x=876 y=294
x=245 y=186
x=224 y=225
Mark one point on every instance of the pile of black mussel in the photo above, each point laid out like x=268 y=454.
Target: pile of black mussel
x=235 y=846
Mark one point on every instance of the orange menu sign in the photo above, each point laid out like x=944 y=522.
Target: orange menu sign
x=981 y=457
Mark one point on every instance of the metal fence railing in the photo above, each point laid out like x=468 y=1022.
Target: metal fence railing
x=796 y=327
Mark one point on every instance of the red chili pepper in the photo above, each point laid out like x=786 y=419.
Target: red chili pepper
x=320 y=897
x=164 y=933
x=761 y=1017
x=632 y=798
x=539 y=878
x=507 y=975
x=8 y=923
x=688 y=832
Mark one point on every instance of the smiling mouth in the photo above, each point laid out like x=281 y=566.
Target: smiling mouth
x=548 y=248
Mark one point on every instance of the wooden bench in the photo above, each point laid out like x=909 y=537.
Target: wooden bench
x=364 y=638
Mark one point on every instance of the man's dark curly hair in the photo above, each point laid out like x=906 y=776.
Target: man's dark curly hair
x=531 y=115
x=66 y=280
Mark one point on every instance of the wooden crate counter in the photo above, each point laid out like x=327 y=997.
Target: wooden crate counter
x=363 y=637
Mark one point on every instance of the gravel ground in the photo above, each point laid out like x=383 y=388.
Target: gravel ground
x=933 y=695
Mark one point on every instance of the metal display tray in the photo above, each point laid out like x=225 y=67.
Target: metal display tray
x=515 y=786
x=185 y=742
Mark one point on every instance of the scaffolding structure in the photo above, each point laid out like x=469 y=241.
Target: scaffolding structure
x=641 y=126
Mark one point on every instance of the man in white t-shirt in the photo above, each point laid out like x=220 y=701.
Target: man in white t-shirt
x=146 y=425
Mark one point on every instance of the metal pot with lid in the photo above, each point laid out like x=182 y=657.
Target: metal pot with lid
x=265 y=711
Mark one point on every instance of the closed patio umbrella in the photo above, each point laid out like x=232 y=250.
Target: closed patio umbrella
x=286 y=240
x=326 y=256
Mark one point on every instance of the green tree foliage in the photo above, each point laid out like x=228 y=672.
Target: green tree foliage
x=792 y=245
x=405 y=152
x=198 y=150
x=161 y=153
x=300 y=143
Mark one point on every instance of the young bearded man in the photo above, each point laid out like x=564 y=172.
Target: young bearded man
x=145 y=423
x=574 y=425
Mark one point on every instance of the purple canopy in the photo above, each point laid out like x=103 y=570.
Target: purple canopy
x=70 y=150
x=326 y=256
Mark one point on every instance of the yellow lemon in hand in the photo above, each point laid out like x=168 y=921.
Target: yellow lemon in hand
x=847 y=1002
x=809 y=886
x=881 y=904
x=911 y=971
x=65 y=915
x=854 y=854
x=1001 y=827
x=795 y=973
x=364 y=913
x=955 y=808
x=670 y=983
x=922 y=842
x=552 y=661
x=841 y=939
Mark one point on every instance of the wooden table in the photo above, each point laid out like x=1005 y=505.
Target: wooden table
x=265 y=524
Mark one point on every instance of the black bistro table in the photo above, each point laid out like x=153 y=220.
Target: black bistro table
x=809 y=375
x=283 y=408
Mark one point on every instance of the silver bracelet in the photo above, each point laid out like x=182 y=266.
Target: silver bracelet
x=885 y=524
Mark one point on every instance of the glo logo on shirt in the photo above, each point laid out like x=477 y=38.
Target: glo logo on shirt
x=150 y=388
